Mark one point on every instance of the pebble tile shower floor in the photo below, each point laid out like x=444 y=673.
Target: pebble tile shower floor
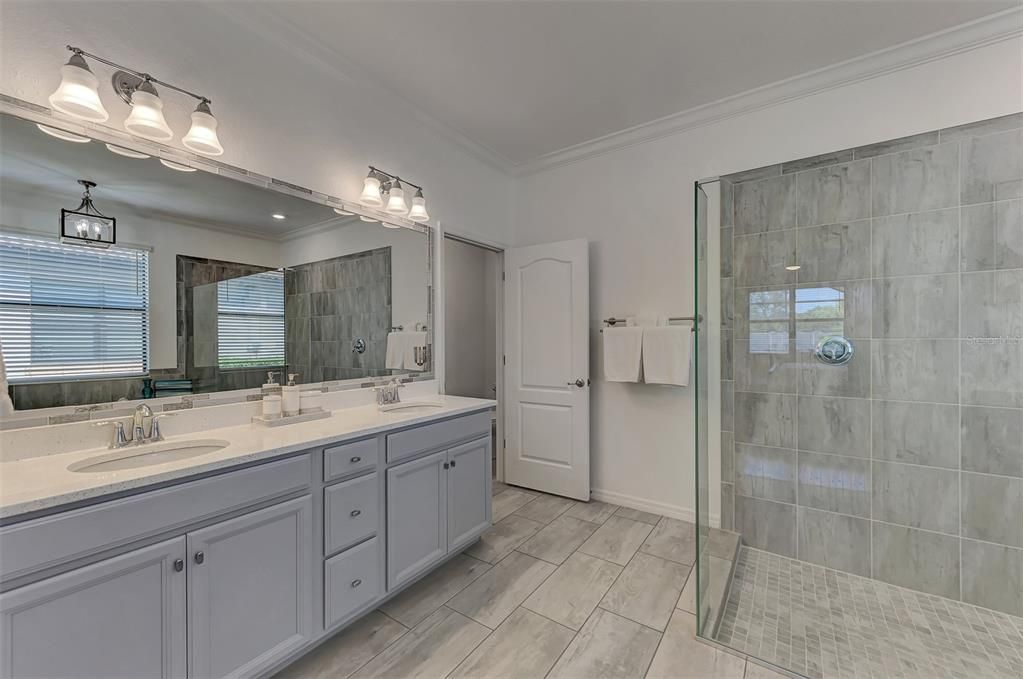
x=828 y=624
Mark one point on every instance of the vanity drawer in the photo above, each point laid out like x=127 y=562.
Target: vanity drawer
x=351 y=580
x=351 y=512
x=49 y=541
x=350 y=458
x=410 y=442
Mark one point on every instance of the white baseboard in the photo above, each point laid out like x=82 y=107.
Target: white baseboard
x=664 y=509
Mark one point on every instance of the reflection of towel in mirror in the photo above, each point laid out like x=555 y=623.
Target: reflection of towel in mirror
x=396 y=343
x=6 y=405
x=415 y=339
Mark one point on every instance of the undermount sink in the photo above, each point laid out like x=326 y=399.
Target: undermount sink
x=147 y=454
x=411 y=407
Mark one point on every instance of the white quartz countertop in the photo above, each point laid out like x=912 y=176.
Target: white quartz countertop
x=44 y=481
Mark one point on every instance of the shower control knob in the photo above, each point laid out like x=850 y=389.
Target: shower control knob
x=834 y=350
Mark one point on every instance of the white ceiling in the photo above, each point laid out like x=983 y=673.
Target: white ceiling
x=526 y=78
x=32 y=163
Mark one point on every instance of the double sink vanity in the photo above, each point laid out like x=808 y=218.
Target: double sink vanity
x=231 y=551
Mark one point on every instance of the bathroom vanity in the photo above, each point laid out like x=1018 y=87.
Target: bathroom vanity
x=236 y=561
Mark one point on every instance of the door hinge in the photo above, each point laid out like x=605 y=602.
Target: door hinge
x=504 y=359
x=502 y=276
x=504 y=443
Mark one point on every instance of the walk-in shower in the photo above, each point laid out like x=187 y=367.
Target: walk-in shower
x=861 y=418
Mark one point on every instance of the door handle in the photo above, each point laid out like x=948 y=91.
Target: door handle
x=578 y=383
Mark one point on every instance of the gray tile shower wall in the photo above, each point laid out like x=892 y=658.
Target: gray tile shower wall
x=905 y=464
x=328 y=305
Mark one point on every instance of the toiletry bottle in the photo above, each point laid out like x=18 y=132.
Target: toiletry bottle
x=271 y=386
x=291 y=403
x=271 y=406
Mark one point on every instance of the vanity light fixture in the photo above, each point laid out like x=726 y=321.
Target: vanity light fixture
x=127 y=153
x=61 y=134
x=793 y=267
x=388 y=225
x=78 y=96
x=85 y=224
x=371 y=220
x=176 y=166
x=343 y=213
x=390 y=186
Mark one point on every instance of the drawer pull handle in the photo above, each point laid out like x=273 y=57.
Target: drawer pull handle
x=355 y=459
x=199 y=557
x=355 y=512
x=179 y=565
x=452 y=463
x=356 y=583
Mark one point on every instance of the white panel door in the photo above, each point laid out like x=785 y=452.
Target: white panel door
x=547 y=352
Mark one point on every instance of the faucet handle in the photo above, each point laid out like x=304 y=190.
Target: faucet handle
x=154 y=427
x=120 y=438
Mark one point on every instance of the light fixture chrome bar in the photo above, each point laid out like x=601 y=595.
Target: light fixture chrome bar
x=138 y=74
x=394 y=177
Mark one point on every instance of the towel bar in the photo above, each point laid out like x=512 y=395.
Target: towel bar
x=695 y=320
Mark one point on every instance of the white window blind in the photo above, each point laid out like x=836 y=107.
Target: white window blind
x=71 y=311
x=250 y=321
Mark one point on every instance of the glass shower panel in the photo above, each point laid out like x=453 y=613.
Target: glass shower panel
x=702 y=380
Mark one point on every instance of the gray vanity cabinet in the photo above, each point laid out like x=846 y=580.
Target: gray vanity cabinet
x=120 y=617
x=468 y=492
x=250 y=591
x=435 y=505
x=417 y=509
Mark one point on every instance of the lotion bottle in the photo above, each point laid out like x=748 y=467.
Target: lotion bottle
x=291 y=400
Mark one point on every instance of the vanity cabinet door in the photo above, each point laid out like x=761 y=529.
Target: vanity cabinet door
x=468 y=492
x=121 y=617
x=416 y=516
x=250 y=590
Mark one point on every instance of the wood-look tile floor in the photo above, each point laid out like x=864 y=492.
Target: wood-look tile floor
x=556 y=588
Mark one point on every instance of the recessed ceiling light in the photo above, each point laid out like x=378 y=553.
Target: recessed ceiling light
x=61 y=134
x=278 y=215
x=176 y=166
x=793 y=267
x=371 y=220
x=127 y=153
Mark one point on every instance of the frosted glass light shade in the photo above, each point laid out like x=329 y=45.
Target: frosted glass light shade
x=371 y=193
x=418 y=212
x=202 y=137
x=396 y=204
x=127 y=153
x=146 y=119
x=63 y=134
x=78 y=92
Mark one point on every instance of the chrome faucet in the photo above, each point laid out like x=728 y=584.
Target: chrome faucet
x=388 y=393
x=138 y=428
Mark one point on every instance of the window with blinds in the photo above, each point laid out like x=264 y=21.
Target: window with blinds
x=250 y=321
x=72 y=312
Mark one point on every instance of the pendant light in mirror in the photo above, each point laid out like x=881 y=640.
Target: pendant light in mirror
x=78 y=92
x=85 y=224
x=202 y=137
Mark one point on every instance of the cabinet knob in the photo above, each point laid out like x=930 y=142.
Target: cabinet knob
x=355 y=459
x=452 y=463
x=356 y=583
x=355 y=512
x=179 y=565
x=199 y=557
x=446 y=465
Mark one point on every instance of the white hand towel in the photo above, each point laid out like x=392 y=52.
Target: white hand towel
x=415 y=339
x=667 y=354
x=395 y=358
x=6 y=405
x=623 y=349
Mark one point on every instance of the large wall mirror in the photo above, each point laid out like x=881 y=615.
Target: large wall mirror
x=212 y=284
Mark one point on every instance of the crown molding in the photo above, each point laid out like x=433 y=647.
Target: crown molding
x=988 y=30
x=274 y=26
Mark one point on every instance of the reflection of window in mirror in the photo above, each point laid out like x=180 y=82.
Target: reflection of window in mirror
x=808 y=314
x=72 y=312
x=250 y=321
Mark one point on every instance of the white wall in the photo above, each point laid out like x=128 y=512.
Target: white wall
x=409 y=261
x=470 y=321
x=281 y=113
x=635 y=205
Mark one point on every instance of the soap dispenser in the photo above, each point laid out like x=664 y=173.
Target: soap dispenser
x=291 y=403
x=271 y=386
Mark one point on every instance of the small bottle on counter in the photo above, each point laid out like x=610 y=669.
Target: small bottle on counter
x=271 y=406
x=271 y=386
x=291 y=404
